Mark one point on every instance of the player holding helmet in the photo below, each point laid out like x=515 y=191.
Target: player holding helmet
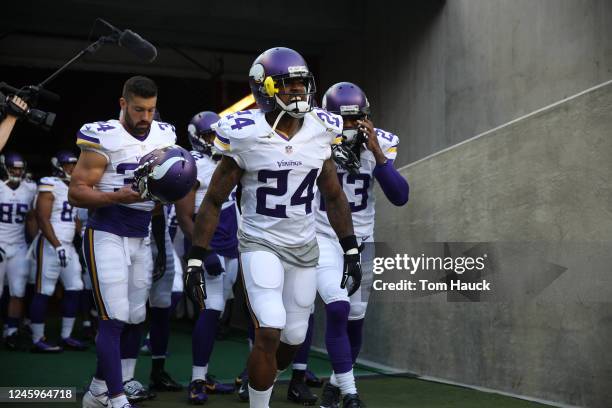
x=280 y=155
x=117 y=252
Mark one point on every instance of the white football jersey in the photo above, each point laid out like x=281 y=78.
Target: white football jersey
x=206 y=167
x=279 y=181
x=122 y=152
x=14 y=205
x=62 y=213
x=359 y=190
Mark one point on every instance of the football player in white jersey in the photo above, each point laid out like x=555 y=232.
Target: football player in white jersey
x=222 y=268
x=117 y=250
x=55 y=256
x=16 y=202
x=279 y=155
x=364 y=157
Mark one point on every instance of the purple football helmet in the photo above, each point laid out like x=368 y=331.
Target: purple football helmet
x=199 y=128
x=63 y=157
x=275 y=67
x=166 y=174
x=13 y=165
x=348 y=100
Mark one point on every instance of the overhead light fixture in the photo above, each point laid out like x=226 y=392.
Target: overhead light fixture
x=242 y=104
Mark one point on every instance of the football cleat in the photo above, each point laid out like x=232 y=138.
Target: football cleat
x=70 y=343
x=41 y=346
x=12 y=342
x=243 y=391
x=299 y=393
x=135 y=392
x=215 y=387
x=352 y=401
x=312 y=380
x=238 y=380
x=161 y=381
x=330 y=397
x=95 y=401
x=196 y=393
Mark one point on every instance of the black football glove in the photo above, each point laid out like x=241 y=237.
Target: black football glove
x=195 y=285
x=346 y=158
x=352 y=263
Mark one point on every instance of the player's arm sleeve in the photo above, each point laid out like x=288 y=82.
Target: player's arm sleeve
x=89 y=139
x=392 y=183
x=227 y=144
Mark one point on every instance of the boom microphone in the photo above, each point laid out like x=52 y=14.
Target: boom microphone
x=138 y=45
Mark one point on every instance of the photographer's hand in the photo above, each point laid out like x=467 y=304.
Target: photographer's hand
x=15 y=107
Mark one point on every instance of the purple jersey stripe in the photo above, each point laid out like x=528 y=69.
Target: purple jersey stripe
x=80 y=135
x=222 y=139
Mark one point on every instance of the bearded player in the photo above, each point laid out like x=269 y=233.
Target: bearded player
x=117 y=250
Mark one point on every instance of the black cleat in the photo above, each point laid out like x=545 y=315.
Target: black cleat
x=135 y=392
x=330 y=397
x=161 y=381
x=352 y=401
x=312 y=380
x=299 y=393
x=12 y=342
x=243 y=391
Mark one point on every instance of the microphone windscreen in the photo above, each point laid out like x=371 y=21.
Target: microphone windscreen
x=138 y=45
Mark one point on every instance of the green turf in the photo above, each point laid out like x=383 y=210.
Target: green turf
x=75 y=369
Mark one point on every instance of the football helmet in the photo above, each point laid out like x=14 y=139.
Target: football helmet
x=269 y=73
x=63 y=157
x=199 y=129
x=14 y=166
x=348 y=100
x=166 y=174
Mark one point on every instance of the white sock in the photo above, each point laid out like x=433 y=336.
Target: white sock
x=128 y=366
x=259 y=399
x=10 y=331
x=38 y=331
x=199 y=372
x=97 y=386
x=300 y=367
x=346 y=382
x=86 y=323
x=119 y=402
x=332 y=379
x=67 y=325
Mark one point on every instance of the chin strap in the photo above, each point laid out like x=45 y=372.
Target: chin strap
x=278 y=118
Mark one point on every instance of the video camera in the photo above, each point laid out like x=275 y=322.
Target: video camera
x=30 y=94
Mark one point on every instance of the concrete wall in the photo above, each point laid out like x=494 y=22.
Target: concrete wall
x=440 y=72
x=535 y=197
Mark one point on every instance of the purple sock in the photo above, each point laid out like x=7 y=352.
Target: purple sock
x=203 y=337
x=38 y=308
x=4 y=301
x=355 y=334
x=70 y=304
x=336 y=337
x=131 y=340
x=301 y=356
x=29 y=294
x=174 y=300
x=160 y=330
x=86 y=302
x=108 y=346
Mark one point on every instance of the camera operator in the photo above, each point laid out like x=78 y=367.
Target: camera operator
x=16 y=107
